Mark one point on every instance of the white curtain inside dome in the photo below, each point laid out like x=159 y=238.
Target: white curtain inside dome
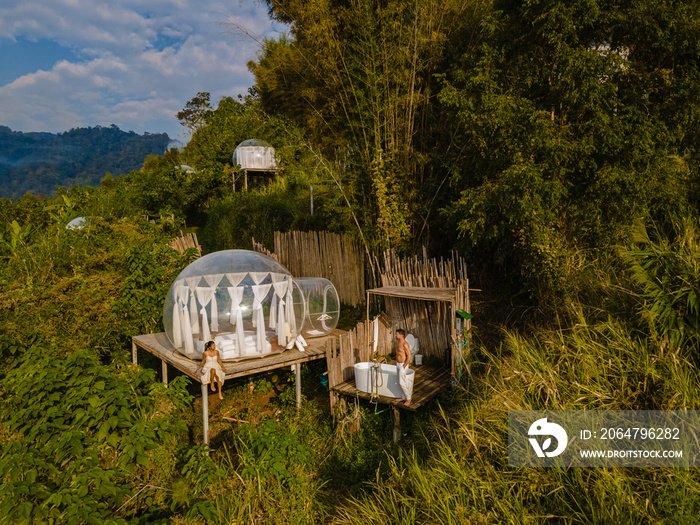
x=259 y=293
x=206 y=334
x=196 y=296
x=213 y=281
x=258 y=277
x=236 y=315
x=205 y=295
x=177 y=329
x=277 y=319
x=291 y=320
x=192 y=283
x=276 y=278
x=186 y=330
x=180 y=291
x=234 y=279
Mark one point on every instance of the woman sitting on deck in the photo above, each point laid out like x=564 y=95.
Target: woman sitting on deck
x=212 y=367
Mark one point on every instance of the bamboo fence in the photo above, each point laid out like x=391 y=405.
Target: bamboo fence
x=436 y=289
x=349 y=348
x=185 y=242
x=335 y=257
x=430 y=321
x=261 y=249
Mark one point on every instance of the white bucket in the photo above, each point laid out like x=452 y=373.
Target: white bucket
x=419 y=359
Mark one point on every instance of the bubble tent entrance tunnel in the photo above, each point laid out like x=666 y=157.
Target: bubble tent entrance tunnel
x=249 y=304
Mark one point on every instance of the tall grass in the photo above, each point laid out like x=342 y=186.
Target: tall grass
x=466 y=478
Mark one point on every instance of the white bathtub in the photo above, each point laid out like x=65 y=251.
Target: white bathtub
x=386 y=378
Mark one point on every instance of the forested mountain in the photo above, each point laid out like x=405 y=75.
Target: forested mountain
x=38 y=162
x=554 y=144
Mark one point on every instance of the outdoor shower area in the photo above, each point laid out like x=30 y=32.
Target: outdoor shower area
x=430 y=301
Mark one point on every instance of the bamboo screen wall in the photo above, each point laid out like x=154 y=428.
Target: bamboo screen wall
x=184 y=242
x=257 y=247
x=351 y=347
x=323 y=254
x=430 y=322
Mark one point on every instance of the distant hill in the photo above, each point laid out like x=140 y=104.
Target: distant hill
x=38 y=162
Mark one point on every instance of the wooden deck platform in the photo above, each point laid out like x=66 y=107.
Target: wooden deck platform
x=160 y=346
x=428 y=382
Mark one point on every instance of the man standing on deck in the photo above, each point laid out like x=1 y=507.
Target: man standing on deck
x=403 y=357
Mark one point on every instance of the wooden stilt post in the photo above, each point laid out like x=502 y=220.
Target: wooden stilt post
x=334 y=401
x=297 y=373
x=246 y=180
x=368 y=340
x=205 y=413
x=397 y=424
x=134 y=354
x=164 y=368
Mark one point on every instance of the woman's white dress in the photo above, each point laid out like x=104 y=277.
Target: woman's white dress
x=211 y=363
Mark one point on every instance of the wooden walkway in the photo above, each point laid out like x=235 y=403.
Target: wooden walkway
x=428 y=382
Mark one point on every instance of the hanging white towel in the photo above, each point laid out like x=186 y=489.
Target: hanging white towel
x=375 y=325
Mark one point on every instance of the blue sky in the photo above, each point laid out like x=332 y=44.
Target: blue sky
x=79 y=63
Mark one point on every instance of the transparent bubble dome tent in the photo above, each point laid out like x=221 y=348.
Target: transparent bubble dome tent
x=249 y=304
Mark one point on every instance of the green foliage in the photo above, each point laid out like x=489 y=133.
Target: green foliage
x=361 y=444
x=148 y=272
x=234 y=221
x=358 y=78
x=462 y=476
x=544 y=110
x=196 y=112
x=668 y=272
x=267 y=450
x=163 y=188
x=80 y=430
x=262 y=386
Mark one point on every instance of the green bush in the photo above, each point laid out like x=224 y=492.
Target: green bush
x=80 y=430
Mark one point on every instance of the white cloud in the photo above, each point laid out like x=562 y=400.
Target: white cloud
x=140 y=61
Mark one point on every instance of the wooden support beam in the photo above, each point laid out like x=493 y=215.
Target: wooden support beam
x=334 y=401
x=134 y=353
x=397 y=424
x=164 y=368
x=205 y=413
x=297 y=374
